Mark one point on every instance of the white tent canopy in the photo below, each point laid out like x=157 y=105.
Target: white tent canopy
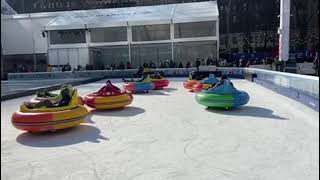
x=194 y=12
x=6 y=9
x=161 y=14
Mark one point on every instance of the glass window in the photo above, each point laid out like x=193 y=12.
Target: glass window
x=151 y=32
x=68 y=36
x=150 y=53
x=190 y=51
x=112 y=34
x=41 y=60
x=195 y=29
x=19 y=63
x=104 y=57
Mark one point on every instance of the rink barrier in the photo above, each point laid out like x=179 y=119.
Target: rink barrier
x=302 y=88
x=13 y=95
x=126 y=73
x=71 y=75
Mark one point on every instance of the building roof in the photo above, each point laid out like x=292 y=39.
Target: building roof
x=143 y=15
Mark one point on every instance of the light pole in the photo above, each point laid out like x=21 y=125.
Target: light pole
x=284 y=30
x=1 y=62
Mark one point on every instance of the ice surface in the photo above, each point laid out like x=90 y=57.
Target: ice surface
x=166 y=135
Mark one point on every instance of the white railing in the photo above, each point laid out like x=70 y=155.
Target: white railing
x=304 y=83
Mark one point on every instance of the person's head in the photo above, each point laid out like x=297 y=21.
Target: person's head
x=223 y=77
x=68 y=87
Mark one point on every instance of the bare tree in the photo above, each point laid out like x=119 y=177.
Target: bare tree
x=303 y=19
x=228 y=9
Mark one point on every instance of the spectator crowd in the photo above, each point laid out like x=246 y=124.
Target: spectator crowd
x=224 y=61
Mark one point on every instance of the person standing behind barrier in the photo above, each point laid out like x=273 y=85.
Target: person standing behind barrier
x=129 y=65
x=166 y=65
x=202 y=62
x=198 y=63
x=188 y=65
x=240 y=62
x=140 y=71
x=49 y=68
x=214 y=61
x=209 y=61
x=180 y=65
x=248 y=63
x=145 y=65
x=161 y=64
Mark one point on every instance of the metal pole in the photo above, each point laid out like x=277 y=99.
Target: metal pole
x=78 y=54
x=34 y=52
x=68 y=55
x=172 y=37
x=2 y=58
x=284 y=30
x=59 y=69
x=35 y=62
x=129 y=40
x=172 y=32
x=218 y=41
x=129 y=55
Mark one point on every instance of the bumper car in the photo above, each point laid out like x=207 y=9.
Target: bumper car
x=50 y=118
x=190 y=83
x=140 y=86
x=159 y=81
x=223 y=96
x=205 y=84
x=192 y=80
x=108 y=97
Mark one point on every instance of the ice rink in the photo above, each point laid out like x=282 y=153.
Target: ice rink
x=165 y=134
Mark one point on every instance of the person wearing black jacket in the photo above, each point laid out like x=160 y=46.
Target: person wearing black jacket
x=198 y=63
x=223 y=78
x=63 y=101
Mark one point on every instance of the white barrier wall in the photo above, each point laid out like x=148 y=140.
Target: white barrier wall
x=305 y=68
x=261 y=66
x=304 y=83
